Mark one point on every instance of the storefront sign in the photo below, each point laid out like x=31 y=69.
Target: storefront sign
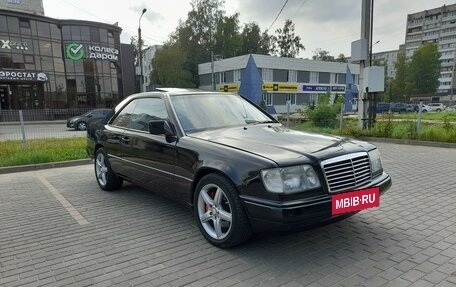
x=279 y=87
x=76 y=52
x=229 y=88
x=314 y=88
x=11 y=45
x=27 y=76
x=337 y=89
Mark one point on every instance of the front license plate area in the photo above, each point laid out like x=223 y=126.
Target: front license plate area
x=355 y=200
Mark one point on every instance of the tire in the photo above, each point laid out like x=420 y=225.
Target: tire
x=219 y=212
x=82 y=126
x=106 y=178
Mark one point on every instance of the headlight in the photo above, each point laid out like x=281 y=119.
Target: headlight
x=290 y=179
x=73 y=120
x=376 y=162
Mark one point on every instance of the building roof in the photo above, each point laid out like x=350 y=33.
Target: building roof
x=273 y=62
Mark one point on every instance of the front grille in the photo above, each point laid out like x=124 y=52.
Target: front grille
x=347 y=172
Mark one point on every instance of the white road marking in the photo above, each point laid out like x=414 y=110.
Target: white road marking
x=65 y=203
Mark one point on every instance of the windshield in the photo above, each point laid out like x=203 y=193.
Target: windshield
x=200 y=112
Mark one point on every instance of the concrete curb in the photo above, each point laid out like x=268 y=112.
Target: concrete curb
x=408 y=142
x=32 y=167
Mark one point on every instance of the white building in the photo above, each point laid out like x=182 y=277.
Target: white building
x=436 y=26
x=299 y=80
x=148 y=54
x=388 y=58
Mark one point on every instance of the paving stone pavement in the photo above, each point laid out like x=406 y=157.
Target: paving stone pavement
x=137 y=238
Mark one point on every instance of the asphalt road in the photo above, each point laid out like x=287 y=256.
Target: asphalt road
x=57 y=228
x=36 y=130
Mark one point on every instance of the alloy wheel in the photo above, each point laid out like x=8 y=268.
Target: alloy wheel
x=101 y=169
x=214 y=211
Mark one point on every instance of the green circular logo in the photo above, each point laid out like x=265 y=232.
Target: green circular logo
x=75 y=51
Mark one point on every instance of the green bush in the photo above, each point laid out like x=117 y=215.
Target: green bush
x=324 y=114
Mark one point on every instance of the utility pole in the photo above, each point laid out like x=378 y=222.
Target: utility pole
x=141 y=80
x=366 y=32
x=212 y=71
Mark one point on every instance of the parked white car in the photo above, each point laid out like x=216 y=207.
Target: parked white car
x=436 y=107
x=424 y=108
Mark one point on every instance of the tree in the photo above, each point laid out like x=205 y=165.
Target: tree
x=341 y=58
x=401 y=86
x=169 y=67
x=206 y=32
x=227 y=38
x=424 y=69
x=255 y=42
x=288 y=45
x=322 y=55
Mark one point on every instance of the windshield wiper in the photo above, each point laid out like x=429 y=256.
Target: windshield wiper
x=255 y=122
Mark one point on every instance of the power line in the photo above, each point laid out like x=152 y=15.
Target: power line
x=278 y=14
x=107 y=21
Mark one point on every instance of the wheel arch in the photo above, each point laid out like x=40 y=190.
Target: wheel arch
x=202 y=173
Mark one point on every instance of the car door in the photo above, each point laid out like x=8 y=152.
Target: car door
x=116 y=145
x=151 y=158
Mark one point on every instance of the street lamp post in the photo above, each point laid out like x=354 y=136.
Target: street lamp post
x=140 y=52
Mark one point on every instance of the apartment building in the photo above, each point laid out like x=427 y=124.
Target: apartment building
x=436 y=26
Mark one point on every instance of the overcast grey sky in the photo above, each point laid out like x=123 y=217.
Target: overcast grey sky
x=327 y=24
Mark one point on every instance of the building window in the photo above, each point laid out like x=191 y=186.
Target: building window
x=267 y=98
x=323 y=78
x=303 y=77
x=313 y=77
x=24 y=23
x=237 y=75
x=267 y=75
x=29 y=59
x=292 y=99
x=280 y=75
x=14 y=1
x=292 y=76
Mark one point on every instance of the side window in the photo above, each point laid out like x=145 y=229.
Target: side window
x=124 y=117
x=147 y=110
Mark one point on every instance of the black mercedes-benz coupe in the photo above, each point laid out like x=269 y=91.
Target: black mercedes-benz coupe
x=238 y=168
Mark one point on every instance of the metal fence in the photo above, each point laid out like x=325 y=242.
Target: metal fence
x=37 y=124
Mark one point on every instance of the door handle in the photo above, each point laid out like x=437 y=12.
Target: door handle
x=125 y=139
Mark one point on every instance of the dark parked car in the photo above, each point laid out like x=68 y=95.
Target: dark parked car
x=239 y=168
x=399 y=107
x=80 y=122
x=383 y=107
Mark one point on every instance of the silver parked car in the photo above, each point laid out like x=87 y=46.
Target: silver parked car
x=436 y=107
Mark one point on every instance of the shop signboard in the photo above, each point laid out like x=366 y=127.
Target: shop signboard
x=279 y=87
x=77 y=51
x=23 y=76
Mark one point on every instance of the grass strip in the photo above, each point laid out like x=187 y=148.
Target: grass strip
x=13 y=153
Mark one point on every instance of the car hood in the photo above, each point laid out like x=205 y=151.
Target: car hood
x=282 y=145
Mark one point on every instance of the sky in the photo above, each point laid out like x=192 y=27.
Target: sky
x=322 y=24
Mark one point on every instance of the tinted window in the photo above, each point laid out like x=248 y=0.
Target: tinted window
x=138 y=113
x=124 y=117
x=303 y=76
x=280 y=75
x=324 y=78
x=147 y=110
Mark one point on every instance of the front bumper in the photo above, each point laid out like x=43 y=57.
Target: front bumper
x=265 y=215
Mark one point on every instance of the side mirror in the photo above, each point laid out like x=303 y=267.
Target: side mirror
x=162 y=127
